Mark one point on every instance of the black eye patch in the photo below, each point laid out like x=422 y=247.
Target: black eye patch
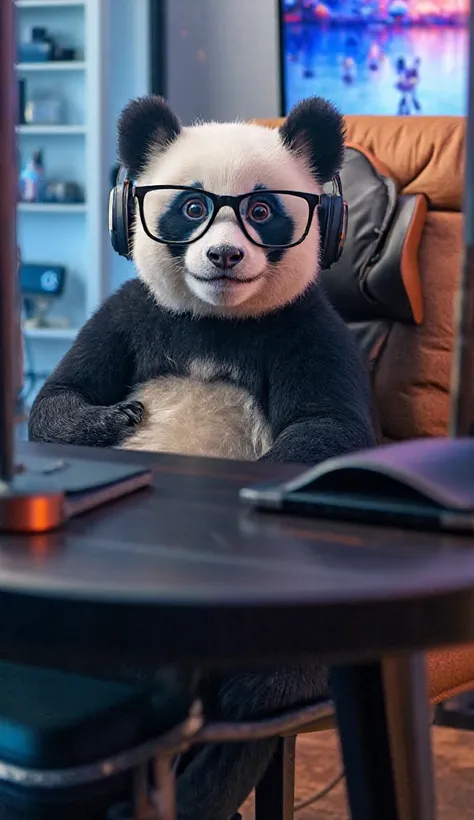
x=278 y=229
x=175 y=225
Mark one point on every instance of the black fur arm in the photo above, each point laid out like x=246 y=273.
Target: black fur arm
x=83 y=401
x=320 y=403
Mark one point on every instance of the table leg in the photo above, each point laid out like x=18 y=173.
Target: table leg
x=275 y=794
x=384 y=726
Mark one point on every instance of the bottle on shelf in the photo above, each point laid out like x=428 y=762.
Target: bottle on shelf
x=32 y=182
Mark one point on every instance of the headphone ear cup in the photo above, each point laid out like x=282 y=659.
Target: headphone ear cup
x=129 y=210
x=342 y=229
x=332 y=214
x=324 y=216
x=121 y=215
x=113 y=219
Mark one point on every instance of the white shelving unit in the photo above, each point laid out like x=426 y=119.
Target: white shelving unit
x=73 y=235
x=110 y=38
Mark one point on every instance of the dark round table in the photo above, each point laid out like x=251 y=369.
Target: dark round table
x=183 y=573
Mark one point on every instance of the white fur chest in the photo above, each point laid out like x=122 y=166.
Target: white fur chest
x=202 y=414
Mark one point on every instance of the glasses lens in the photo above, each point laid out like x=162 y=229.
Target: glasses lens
x=176 y=216
x=275 y=220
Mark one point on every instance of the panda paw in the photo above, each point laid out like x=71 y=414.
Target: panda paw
x=107 y=426
x=130 y=412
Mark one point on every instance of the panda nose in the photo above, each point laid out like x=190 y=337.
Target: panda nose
x=225 y=257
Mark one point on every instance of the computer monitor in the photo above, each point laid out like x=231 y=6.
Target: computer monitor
x=404 y=57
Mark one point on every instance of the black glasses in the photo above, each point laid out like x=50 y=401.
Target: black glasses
x=180 y=215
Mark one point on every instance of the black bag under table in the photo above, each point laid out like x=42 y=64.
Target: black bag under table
x=53 y=721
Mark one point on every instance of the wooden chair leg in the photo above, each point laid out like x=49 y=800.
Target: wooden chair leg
x=275 y=794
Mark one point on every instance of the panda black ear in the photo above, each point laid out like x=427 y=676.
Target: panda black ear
x=315 y=129
x=145 y=124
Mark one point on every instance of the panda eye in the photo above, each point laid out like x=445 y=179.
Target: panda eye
x=259 y=212
x=194 y=209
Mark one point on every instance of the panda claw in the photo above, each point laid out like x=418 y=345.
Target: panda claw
x=132 y=410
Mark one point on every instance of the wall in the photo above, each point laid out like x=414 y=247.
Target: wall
x=223 y=58
x=128 y=77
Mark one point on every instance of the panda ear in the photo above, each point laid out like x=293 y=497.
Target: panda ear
x=145 y=124
x=315 y=129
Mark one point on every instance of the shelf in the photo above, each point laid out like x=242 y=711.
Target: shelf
x=52 y=65
x=51 y=333
x=53 y=130
x=48 y=4
x=52 y=207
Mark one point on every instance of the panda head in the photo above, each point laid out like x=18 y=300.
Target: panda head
x=225 y=270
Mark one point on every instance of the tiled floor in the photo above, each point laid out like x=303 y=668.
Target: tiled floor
x=318 y=762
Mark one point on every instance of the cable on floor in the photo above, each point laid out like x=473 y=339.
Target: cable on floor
x=313 y=798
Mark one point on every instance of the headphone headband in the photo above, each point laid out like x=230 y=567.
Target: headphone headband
x=332 y=215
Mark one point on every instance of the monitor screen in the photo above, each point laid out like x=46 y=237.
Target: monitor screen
x=402 y=57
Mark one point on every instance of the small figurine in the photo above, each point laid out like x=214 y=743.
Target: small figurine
x=407 y=84
x=348 y=70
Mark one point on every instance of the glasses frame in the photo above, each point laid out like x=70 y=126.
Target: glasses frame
x=139 y=192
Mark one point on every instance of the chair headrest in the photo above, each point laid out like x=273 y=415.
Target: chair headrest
x=377 y=276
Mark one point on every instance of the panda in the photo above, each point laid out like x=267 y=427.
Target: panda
x=224 y=345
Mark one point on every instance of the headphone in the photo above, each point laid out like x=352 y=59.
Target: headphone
x=332 y=214
x=121 y=214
